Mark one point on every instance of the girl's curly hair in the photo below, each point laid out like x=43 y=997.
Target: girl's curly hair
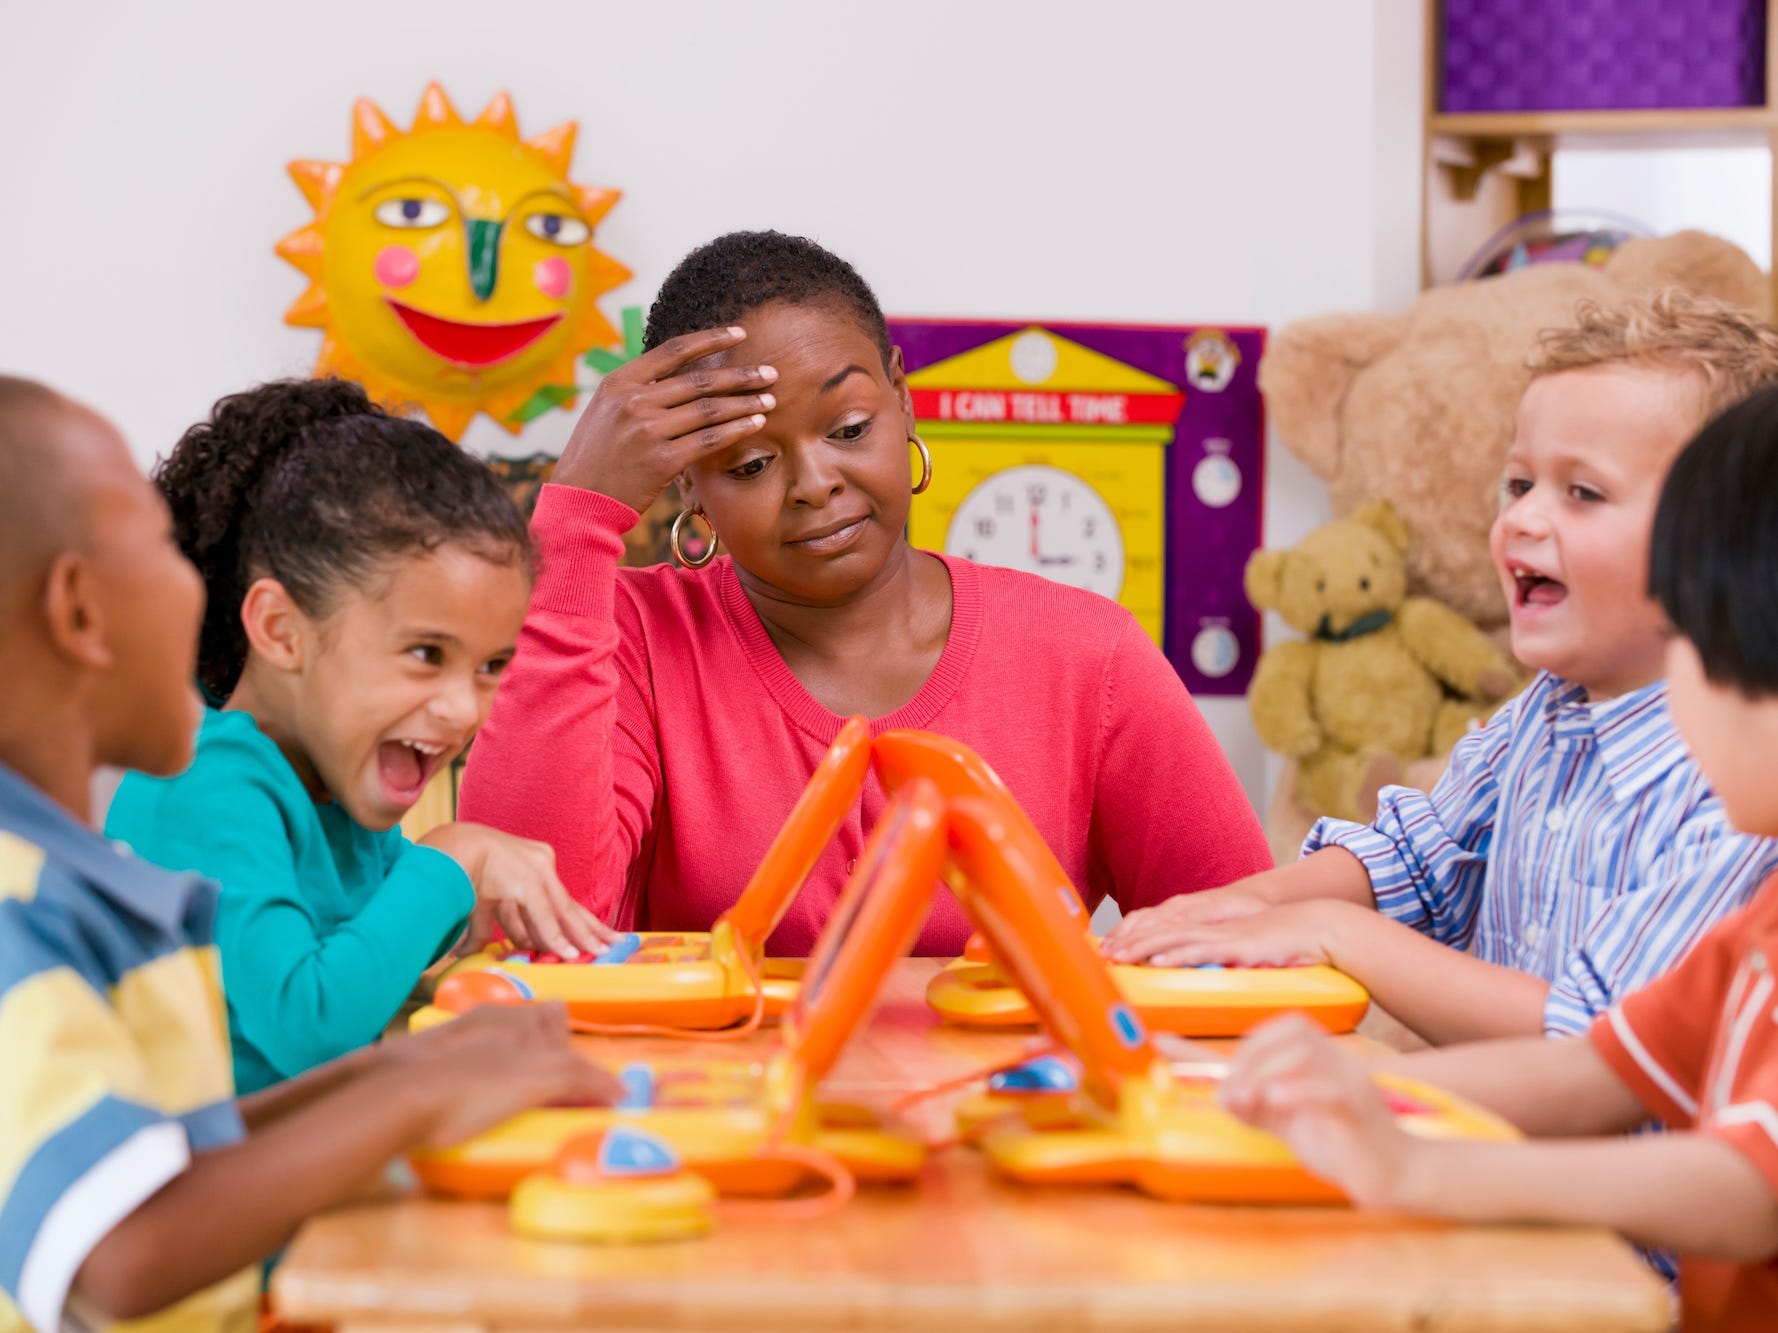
x=311 y=483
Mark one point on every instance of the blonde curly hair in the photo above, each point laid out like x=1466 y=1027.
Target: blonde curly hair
x=1734 y=351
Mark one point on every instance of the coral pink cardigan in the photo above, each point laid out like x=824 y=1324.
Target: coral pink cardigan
x=649 y=730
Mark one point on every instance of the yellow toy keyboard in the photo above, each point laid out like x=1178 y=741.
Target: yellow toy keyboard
x=749 y=1127
x=682 y=980
x=1204 y=1001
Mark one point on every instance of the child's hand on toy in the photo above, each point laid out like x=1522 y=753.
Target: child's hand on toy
x=517 y=888
x=1289 y=1079
x=653 y=417
x=1293 y=935
x=529 y=1022
x=500 y=1061
x=1148 y=929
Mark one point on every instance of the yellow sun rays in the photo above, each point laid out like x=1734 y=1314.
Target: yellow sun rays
x=373 y=133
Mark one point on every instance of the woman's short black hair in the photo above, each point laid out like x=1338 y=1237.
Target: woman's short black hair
x=311 y=483
x=1714 y=554
x=717 y=283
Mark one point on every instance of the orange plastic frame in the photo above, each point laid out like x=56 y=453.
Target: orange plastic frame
x=735 y=1137
x=696 y=982
x=1132 y=1120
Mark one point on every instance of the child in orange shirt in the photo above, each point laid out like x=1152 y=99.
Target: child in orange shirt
x=1697 y=1049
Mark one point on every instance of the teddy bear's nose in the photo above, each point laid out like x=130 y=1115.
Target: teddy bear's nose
x=1364 y=585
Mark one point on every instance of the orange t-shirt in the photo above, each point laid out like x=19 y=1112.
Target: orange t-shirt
x=1699 y=1048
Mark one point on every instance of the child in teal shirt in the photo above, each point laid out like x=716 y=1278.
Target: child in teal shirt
x=366 y=581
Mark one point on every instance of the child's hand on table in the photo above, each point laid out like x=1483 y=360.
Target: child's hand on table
x=1289 y=1079
x=489 y=1065
x=517 y=888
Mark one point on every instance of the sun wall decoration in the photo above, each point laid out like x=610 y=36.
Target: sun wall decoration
x=451 y=266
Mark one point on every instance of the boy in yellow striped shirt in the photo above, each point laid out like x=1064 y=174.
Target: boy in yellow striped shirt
x=132 y=1182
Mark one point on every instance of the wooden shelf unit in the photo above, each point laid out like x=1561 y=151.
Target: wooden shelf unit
x=1484 y=169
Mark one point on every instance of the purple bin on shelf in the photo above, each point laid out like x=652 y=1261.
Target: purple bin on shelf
x=1603 y=55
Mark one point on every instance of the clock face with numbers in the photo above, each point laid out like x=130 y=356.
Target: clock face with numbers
x=1043 y=520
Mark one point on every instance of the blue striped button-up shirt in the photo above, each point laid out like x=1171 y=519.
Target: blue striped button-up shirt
x=1574 y=841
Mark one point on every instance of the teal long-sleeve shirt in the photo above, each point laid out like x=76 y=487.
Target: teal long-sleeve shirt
x=322 y=926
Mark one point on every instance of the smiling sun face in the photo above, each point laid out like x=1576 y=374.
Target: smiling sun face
x=452 y=266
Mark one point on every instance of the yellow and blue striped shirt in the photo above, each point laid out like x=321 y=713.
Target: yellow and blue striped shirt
x=1575 y=841
x=114 y=1059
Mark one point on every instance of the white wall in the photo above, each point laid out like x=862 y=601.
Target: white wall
x=1721 y=188
x=1179 y=160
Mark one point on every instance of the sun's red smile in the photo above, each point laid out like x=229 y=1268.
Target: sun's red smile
x=472 y=344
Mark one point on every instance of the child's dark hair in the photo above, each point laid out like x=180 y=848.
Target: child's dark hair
x=1714 y=553
x=311 y=483
x=716 y=283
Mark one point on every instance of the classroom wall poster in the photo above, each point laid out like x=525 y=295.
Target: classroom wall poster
x=1128 y=459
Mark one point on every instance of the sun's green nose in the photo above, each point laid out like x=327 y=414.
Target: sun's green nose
x=484 y=256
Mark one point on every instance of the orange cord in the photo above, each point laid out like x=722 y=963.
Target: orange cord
x=746 y=1028
x=842 y=1186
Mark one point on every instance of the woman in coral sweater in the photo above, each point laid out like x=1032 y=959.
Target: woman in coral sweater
x=658 y=724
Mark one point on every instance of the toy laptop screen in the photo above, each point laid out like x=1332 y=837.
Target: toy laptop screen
x=874 y=923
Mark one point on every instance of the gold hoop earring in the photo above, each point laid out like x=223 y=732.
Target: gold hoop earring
x=925 y=464
x=673 y=540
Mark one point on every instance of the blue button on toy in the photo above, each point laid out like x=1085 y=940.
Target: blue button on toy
x=1129 y=1027
x=638 y=1081
x=1047 y=1073
x=631 y=1152
x=620 y=950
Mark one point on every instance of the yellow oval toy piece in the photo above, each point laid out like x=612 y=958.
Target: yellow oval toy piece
x=618 y=1185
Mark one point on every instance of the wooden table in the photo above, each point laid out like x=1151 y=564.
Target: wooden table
x=962 y=1251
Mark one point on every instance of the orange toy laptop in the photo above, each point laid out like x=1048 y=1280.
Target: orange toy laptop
x=689 y=980
x=1114 y=1111
x=750 y=1126
x=1193 y=1001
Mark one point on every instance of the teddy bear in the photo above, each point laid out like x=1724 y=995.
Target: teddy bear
x=1418 y=408
x=1383 y=678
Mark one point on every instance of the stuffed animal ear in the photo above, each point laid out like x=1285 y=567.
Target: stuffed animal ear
x=1264 y=579
x=1307 y=370
x=1702 y=264
x=1380 y=516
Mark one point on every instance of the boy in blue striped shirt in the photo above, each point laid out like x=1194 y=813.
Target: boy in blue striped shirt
x=131 y=1180
x=1573 y=851
x=1695 y=1051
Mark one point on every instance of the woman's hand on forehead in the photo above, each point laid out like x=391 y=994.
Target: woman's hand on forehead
x=653 y=417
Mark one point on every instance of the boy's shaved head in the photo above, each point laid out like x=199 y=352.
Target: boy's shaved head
x=99 y=611
x=44 y=460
